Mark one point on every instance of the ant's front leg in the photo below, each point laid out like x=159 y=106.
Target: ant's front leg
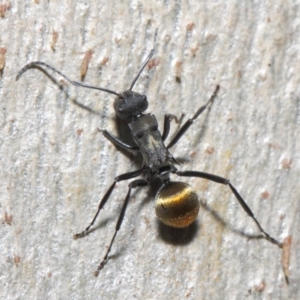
x=118 y=142
x=167 y=122
x=189 y=122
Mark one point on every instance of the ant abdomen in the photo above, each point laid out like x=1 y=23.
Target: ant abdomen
x=177 y=204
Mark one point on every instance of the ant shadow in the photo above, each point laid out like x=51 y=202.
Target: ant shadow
x=220 y=220
x=178 y=236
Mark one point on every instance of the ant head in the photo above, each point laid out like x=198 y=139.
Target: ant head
x=130 y=104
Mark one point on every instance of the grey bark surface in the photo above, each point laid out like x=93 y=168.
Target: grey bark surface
x=56 y=165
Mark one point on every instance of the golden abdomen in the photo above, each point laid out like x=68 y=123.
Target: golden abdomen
x=177 y=204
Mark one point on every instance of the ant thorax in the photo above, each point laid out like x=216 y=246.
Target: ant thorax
x=148 y=138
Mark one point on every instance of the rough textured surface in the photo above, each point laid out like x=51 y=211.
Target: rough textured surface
x=56 y=165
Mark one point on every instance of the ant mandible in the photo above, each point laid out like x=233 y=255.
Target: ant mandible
x=177 y=203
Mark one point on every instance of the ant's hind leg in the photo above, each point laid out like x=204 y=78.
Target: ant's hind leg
x=242 y=202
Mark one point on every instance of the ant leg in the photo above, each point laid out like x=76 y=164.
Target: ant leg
x=117 y=142
x=167 y=121
x=242 y=202
x=132 y=185
x=124 y=176
x=189 y=122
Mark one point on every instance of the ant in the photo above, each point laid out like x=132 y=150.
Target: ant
x=177 y=203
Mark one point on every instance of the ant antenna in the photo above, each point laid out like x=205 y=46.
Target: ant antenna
x=76 y=83
x=36 y=64
x=146 y=61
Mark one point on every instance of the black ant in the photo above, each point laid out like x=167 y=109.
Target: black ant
x=177 y=203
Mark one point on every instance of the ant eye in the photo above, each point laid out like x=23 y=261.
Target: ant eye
x=139 y=135
x=153 y=128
